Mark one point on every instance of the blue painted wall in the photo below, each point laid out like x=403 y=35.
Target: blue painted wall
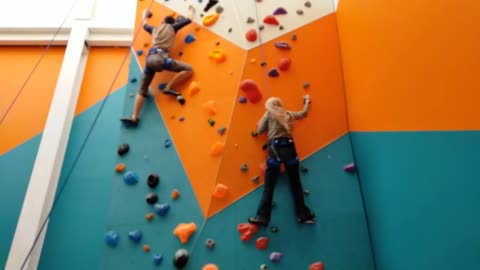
x=422 y=198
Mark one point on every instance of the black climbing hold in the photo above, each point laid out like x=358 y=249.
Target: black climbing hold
x=254 y=134
x=281 y=27
x=219 y=9
x=210 y=243
x=306 y=85
x=250 y=20
x=153 y=180
x=210 y=4
x=217 y=43
x=201 y=15
x=256 y=179
x=133 y=80
x=263 y=64
x=300 y=12
x=308 y=4
x=180 y=53
x=149 y=14
x=151 y=198
x=265 y=146
x=181 y=258
x=211 y=122
x=274 y=229
x=123 y=149
x=230 y=30
x=303 y=169
x=293 y=37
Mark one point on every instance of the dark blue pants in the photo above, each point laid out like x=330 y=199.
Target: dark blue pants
x=282 y=151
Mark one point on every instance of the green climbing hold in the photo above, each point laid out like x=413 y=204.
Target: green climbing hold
x=263 y=267
x=274 y=229
x=265 y=146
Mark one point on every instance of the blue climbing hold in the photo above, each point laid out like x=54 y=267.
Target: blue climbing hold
x=273 y=72
x=189 y=38
x=162 y=86
x=111 y=238
x=181 y=119
x=162 y=209
x=131 y=178
x=157 y=259
x=135 y=236
x=167 y=143
x=139 y=52
x=242 y=99
x=133 y=80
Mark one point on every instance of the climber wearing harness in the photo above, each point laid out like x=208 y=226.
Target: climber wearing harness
x=163 y=38
x=281 y=149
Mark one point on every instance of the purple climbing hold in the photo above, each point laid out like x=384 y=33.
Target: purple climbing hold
x=280 y=11
x=275 y=256
x=181 y=119
x=350 y=167
x=242 y=100
x=261 y=27
x=282 y=45
x=139 y=52
x=162 y=86
x=273 y=73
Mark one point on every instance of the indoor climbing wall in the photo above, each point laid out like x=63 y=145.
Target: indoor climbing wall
x=208 y=159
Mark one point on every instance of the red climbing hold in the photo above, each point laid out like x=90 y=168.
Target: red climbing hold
x=251 y=90
x=316 y=266
x=284 y=64
x=270 y=19
x=251 y=35
x=262 y=243
x=247 y=230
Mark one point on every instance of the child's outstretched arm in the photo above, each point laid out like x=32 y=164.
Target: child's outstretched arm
x=306 y=106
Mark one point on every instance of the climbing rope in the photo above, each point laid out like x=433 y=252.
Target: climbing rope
x=50 y=43
x=262 y=52
x=67 y=178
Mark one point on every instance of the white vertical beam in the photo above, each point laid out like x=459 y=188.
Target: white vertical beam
x=48 y=164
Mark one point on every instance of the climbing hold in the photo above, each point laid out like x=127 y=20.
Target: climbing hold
x=308 y=4
x=184 y=230
x=284 y=64
x=133 y=80
x=261 y=243
x=151 y=198
x=256 y=179
x=146 y=248
x=306 y=85
x=316 y=266
x=157 y=259
x=351 y=168
x=275 y=256
x=111 y=238
x=247 y=230
x=251 y=91
x=306 y=192
x=162 y=209
x=293 y=37
x=175 y=194
x=162 y=86
x=230 y=30
x=180 y=53
x=274 y=229
x=148 y=14
x=263 y=267
x=123 y=149
x=250 y=20
x=210 y=266
x=146 y=158
x=120 y=167
x=303 y=169
x=217 y=43
x=217 y=149
x=181 y=258
x=135 y=236
x=281 y=27
x=189 y=38
x=131 y=95
x=280 y=11
x=273 y=73
x=217 y=55
x=244 y=167
x=270 y=19
x=193 y=89
x=149 y=216
x=211 y=122
x=261 y=27
x=220 y=191
x=181 y=119
x=235 y=145
x=131 y=178
x=242 y=99
x=210 y=243
x=258 y=1
x=251 y=35
x=153 y=180
x=210 y=4
x=221 y=130
x=146 y=44
x=167 y=143
x=219 y=9
x=209 y=20
x=300 y=12
x=282 y=45
x=265 y=146
x=253 y=60
x=139 y=52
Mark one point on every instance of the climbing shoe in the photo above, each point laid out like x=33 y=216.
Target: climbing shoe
x=170 y=92
x=258 y=221
x=310 y=219
x=129 y=122
x=181 y=99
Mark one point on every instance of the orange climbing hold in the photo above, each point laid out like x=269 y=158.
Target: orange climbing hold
x=149 y=216
x=253 y=60
x=210 y=266
x=220 y=191
x=218 y=55
x=247 y=230
x=184 y=230
x=217 y=149
x=270 y=19
x=175 y=194
x=120 y=167
x=209 y=20
x=316 y=266
x=146 y=248
x=193 y=89
x=209 y=107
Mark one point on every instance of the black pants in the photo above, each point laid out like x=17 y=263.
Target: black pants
x=280 y=151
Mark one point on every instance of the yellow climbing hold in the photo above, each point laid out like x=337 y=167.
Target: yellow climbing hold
x=218 y=55
x=209 y=20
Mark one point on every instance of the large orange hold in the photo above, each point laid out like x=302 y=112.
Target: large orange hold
x=184 y=230
x=316 y=266
x=210 y=266
x=209 y=20
x=218 y=55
